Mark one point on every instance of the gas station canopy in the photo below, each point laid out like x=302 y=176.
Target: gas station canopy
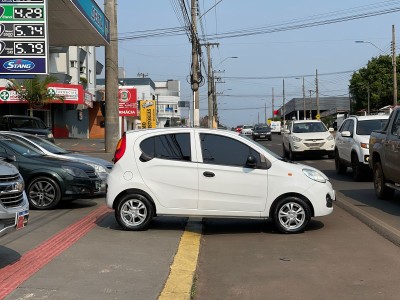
x=77 y=23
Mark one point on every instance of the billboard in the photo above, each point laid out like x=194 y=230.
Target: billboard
x=127 y=100
x=23 y=37
x=148 y=113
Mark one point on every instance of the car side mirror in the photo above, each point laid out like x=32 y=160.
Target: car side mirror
x=286 y=131
x=346 y=134
x=331 y=129
x=251 y=161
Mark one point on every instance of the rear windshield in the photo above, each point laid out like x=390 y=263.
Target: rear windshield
x=365 y=127
x=27 y=123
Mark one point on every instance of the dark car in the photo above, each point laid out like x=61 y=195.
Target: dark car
x=26 y=124
x=48 y=180
x=262 y=132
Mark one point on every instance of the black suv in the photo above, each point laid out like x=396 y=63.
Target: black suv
x=26 y=124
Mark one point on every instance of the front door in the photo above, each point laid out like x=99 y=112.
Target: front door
x=225 y=183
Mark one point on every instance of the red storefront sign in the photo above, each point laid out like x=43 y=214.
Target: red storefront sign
x=127 y=98
x=72 y=93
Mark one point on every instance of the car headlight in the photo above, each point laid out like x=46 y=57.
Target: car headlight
x=98 y=168
x=296 y=139
x=50 y=135
x=76 y=172
x=330 y=138
x=255 y=133
x=315 y=175
x=364 y=145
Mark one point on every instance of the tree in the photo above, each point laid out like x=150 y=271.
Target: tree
x=377 y=79
x=34 y=90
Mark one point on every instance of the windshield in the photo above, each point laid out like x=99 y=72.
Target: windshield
x=365 y=127
x=20 y=147
x=27 y=123
x=309 y=127
x=264 y=148
x=261 y=128
x=49 y=146
x=247 y=126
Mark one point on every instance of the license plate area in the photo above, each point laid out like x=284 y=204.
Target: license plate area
x=21 y=219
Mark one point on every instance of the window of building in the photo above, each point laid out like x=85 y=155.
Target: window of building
x=74 y=63
x=221 y=150
x=168 y=146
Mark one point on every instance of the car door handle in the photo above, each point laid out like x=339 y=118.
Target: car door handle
x=208 y=174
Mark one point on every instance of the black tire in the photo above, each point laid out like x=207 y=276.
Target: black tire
x=291 y=215
x=339 y=166
x=292 y=156
x=134 y=212
x=284 y=151
x=357 y=168
x=331 y=154
x=381 y=190
x=270 y=139
x=43 y=193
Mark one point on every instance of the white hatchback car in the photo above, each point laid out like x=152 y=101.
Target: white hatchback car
x=308 y=136
x=211 y=173
x=247 y=130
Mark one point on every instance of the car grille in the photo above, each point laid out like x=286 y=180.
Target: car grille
x=91 y=174
x=9 y=197
x=314 y=144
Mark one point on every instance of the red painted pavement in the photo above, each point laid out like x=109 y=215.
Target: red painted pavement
x=13 y=275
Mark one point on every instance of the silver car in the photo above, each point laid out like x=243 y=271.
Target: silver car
x=14 y=205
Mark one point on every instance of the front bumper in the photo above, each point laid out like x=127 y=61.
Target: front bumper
x=14 y=218
x=82 y=188
x=323 y=146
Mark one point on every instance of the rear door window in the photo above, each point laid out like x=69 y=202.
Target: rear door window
x=168 y=146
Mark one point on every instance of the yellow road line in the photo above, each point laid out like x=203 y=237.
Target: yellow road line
x=179 y=283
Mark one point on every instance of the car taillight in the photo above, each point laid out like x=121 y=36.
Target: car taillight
x=120 y=150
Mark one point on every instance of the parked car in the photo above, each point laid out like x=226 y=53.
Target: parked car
x=101 y=166
x=352 y=144
x=48 y=180
x=275 y=127
x=156 y=172
x=239 y=128
x=384 y=154
x=262 y=132
x=14 y=206
x=26 y=124
x=247 y=130
x=307 y=136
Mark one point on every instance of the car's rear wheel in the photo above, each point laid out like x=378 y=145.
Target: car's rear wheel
x=134 y=212
x=291 y=215
x=339 y=166
x=43 y=193
x=381 y=190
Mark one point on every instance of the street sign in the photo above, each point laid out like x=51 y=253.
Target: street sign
x=317 y=117
x=23 y=37
x=127 y=98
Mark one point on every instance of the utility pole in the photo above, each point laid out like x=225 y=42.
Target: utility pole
x=304 y=101
x=195 y=66
x=394 y=66
x=265 y=112
x=310 y=105
x=284 y=104
x=210 y=85
x=316 y=90
x=273 y=103
x=111 y=75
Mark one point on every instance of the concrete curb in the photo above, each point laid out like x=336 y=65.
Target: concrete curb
x=387 y=231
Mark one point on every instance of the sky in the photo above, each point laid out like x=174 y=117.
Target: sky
x=285 y=51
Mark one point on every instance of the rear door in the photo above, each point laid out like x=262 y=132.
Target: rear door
x=167 y=168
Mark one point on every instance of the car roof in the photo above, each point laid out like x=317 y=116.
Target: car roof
x=157 y=131
x=370 y=117
x=19 y=117
x=307 y=121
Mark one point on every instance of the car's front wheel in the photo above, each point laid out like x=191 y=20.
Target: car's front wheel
x=43 y=193
x=291 y=215
x=339 y=166
x=134 y=212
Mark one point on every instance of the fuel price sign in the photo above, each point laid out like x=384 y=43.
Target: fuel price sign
x=23 y=37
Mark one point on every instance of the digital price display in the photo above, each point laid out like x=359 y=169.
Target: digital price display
x=28 y=13
x=23 y=37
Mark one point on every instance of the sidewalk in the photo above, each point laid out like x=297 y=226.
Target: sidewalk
x=91 y=147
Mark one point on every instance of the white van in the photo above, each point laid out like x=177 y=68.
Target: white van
x=276 y=127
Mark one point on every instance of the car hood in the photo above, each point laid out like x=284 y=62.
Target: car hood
x=95 y=160
x=312 y=135
x=7 y=169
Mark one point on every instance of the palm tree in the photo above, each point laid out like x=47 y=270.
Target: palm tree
x=34 y=90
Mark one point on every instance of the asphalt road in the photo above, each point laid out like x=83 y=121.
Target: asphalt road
x=337 y=257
